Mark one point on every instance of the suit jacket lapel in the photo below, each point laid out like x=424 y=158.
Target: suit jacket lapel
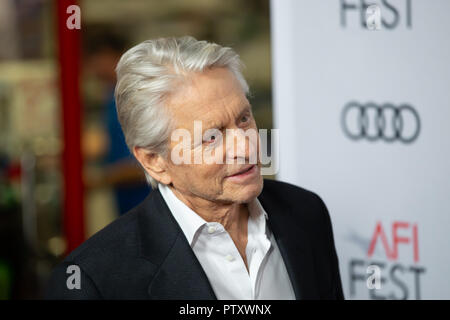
x=180 y=275
x=294 y=246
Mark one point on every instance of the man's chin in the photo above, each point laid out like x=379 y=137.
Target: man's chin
x=247 y=192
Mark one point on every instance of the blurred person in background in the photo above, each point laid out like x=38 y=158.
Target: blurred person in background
x=119 y=170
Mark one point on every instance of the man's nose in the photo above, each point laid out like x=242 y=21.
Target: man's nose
x=240 y=147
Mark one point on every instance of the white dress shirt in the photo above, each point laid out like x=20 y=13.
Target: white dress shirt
x=267 y=277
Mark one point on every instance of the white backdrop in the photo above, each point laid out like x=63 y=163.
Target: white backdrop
x=395 y=194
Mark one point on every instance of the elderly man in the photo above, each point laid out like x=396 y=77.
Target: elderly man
x=212 y=228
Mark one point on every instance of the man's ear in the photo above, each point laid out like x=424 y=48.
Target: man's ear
x=154 y=164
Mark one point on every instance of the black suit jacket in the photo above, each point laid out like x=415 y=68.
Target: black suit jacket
x=145 y=255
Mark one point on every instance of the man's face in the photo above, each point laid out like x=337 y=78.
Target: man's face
x=215 y=100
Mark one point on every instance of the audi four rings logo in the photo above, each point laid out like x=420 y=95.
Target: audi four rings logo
x=380 y=122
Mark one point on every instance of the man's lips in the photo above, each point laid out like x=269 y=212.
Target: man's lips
x=243 y=170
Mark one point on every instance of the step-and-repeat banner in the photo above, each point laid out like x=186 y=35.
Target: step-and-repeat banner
x=362 y=104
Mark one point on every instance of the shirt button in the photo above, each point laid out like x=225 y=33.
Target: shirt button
x=211 y=229
x=229 y=257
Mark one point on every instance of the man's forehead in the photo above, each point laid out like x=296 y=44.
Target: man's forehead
x=214 y=116
x=208 y=97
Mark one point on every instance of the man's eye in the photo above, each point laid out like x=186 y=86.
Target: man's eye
x=244 y=119
x=211 y=138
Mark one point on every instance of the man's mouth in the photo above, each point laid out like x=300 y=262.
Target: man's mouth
x=243 y=171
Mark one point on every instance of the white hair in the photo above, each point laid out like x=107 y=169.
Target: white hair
x=148 y=73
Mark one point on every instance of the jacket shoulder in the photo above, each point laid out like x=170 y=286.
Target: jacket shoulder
x=111 y=239
x=305 y=206
x=105 y=261
x=288 y=193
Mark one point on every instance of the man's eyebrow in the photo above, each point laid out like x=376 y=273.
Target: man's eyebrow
x=246 y=109
x=213 y=125
x=220 y=125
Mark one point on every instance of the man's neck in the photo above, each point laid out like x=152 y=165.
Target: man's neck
x=233 y=216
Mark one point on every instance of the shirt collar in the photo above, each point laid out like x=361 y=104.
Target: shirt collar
x=190 y=222
x=256 y=209
x=257 y=219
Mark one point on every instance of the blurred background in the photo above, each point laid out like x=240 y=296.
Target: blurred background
x=32 y=234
